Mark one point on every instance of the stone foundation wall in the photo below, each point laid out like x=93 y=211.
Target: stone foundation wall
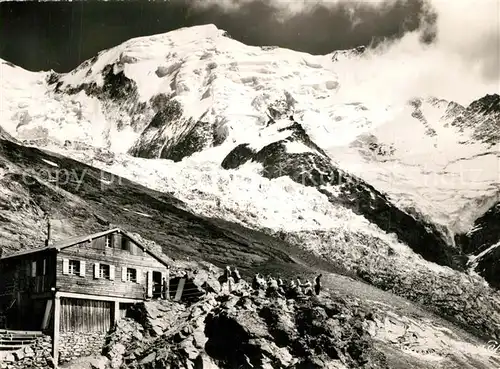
x=79 y=344
x=37 y=355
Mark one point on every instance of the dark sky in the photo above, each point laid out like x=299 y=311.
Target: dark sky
x=60 y=35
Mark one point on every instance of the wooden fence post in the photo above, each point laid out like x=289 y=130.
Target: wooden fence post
x=57 y=324
x=180 y=288
x=116 y=312
x=167 y=287
x=149 y=283
x=46 y=315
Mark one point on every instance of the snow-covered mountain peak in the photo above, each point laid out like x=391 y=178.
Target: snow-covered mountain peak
x=182 y=62
x=200 y=99
x=113 y=97
x=146 y=60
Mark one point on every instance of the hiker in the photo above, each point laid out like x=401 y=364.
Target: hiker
x=298 y=287
x=236 y=275
x=290 y=290
x=229 y=279
x=308 y=288
x=273 y=288
x=261 y=286
x=224 y=278
x=272 y=283
x=281 y=286
x=239 y=284
x=297 y=291
x=281 y=283
x=230 y=284
x=299 y=283
x=262 y=282
x=317 y=284
x=256 y=281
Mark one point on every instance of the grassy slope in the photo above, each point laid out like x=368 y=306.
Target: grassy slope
x=29 y=187
x=84 y=203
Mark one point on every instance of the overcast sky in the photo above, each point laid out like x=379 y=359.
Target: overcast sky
x=60 y=35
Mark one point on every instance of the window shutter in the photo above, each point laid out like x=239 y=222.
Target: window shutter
x=124 y=274
x=150 y=283
x=33 y=268
x=44 y=267
x=112 y=272
x=117 y=240
x=65 y=266
x=83 y=265
x=139 y=275
x=99 y=243
x=96 y=270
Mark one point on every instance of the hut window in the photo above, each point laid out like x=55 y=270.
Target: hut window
x=41 y=267
x=108 y=241
x=131 y=275
x=104 y=271
x=74 y=267
x=33 y=268
x=125 y=243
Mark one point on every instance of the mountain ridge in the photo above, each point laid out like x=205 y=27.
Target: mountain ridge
x=267 y=139
x=31 y=188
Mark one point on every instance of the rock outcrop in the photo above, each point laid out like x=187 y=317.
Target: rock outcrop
x=247 y=331
x=483 y=242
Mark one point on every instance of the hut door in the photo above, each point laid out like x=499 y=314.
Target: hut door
x=156 y=284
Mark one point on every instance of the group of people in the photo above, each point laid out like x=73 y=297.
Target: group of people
x=292 y=289
x=231 y=276
x=271 y=286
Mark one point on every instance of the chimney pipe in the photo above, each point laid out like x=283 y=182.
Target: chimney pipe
x=48 y=240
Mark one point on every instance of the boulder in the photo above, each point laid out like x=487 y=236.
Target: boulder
x=19 y=354
x=28 y=352
x=204 y=361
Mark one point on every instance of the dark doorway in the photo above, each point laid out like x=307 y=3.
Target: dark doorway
x=156 y=285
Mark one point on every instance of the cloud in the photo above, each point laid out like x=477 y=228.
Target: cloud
x=293 y=7
x=449 y=49
x=459 y=60
x=470 y=29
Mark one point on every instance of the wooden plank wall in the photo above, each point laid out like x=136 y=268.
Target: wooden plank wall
x=78 y=315
x=17 y=275
x=94 y=252
x=9 y=278
x=22 y=282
